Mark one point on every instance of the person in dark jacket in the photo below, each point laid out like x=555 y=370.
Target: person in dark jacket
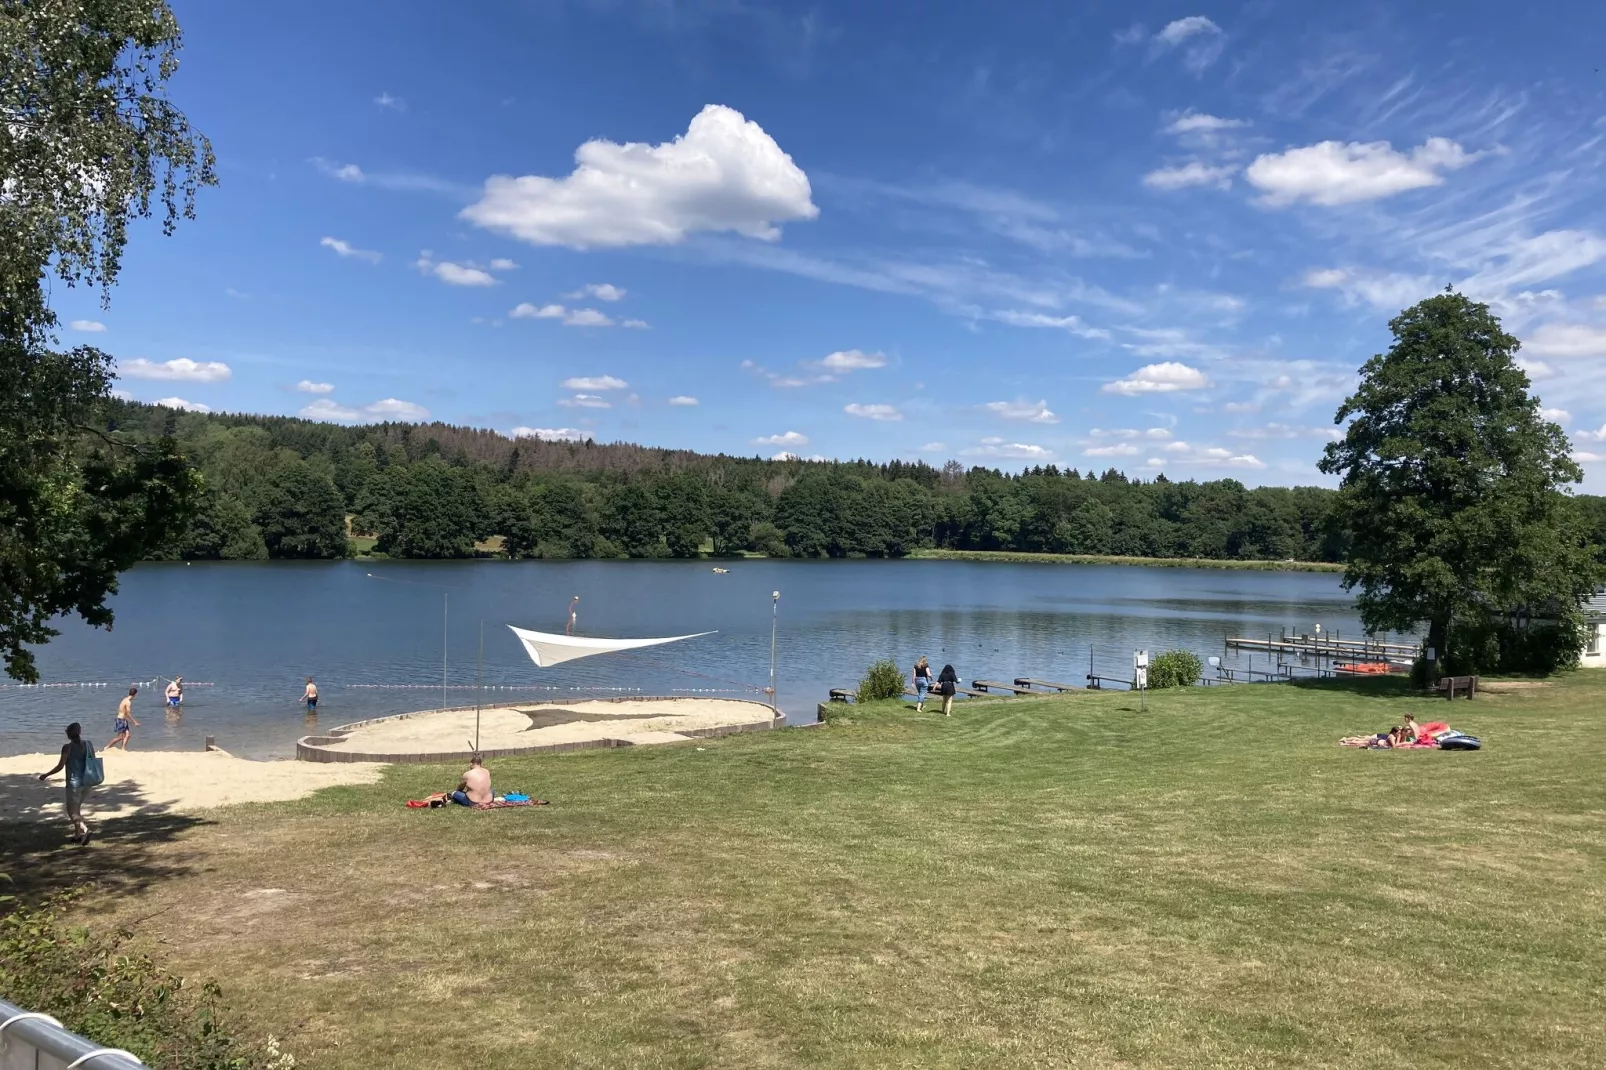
x=947 y=687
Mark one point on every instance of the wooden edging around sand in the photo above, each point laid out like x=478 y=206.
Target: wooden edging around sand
x=318 y=747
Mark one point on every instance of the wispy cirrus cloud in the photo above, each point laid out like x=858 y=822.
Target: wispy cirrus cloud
x=883 y=413
x=1036 y=412
x=348 y=251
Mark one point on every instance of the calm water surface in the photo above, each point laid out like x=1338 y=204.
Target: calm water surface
x=253 y=631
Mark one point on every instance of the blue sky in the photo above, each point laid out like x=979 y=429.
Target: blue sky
x=1156 y=236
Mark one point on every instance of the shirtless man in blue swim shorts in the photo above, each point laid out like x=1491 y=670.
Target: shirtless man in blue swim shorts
x=125 y=718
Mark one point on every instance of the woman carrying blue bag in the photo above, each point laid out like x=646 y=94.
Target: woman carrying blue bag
x=84 y=771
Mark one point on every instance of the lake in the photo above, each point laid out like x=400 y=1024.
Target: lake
x=245 y=634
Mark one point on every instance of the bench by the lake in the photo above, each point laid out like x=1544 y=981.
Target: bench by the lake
x=935 y=692
x=995 y=685
x=1450 y=685
x=842 y=694
x=1030 y=681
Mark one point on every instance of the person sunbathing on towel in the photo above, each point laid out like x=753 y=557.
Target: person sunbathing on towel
x=475 y=787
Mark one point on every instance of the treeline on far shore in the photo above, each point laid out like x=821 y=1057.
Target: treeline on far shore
x=279 y=487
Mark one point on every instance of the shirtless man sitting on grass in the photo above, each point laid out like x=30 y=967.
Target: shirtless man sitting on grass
x=475 y=787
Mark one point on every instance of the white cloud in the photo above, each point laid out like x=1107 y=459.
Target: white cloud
x=684 y=400
x=1192 y=173
x=570 y=317
x=307 y=386
x=1200 y=40
x=88 y=326
x=1335 y=172
x=453 y=274
x=180 y=403
x=396 y=409
x=551 y=434
x=182 y=369
x=1161 y=378
x=1036 y=412
x=1567 y=340
x=1113 y=432
x=723 y=174
x=1384 y=290
x=585 y=401
x=1543 y=256
x=933 y=447
x=602 y=291
x=502 y=263
x=1591 y=436
x=788 y=438
x=848 y=360
x=1119 y=449
x=1194 y=122
x=873 y=412
x=1536 y=369
x=1209 y=457
x=1241 y=406
x=345 y=172
x=636 y=325
x=1556 y=416
x=1010 y=451
x=346 y=249
x=1073 y=324
x=122 y=395
x=596 y=382
x=385 y=100
x=1585 y=457
x=329 y=411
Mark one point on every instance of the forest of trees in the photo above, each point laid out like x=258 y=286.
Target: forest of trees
x=277 y=487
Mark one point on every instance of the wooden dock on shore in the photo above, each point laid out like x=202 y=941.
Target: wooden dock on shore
x=1324 y=647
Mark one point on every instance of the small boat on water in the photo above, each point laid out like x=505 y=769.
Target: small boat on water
x=1365 y=667
x=721 y=571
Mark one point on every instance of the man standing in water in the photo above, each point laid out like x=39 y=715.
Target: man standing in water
x=310 y=695
x=175 y=694
x=125 y=717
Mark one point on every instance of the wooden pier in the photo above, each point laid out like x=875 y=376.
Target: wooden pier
x=996 y=685
x=1052 y=685
x=1324 y=647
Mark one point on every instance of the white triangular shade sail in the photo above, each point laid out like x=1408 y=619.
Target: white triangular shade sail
x=546 y=649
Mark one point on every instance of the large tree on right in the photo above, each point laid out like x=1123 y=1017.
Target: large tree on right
x=1453 y=498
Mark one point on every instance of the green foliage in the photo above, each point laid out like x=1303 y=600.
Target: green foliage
x=883 y=680
x=87 y=141
x=1175 y=668
x=99 y=989
x=300 y=513
x=1452 y=496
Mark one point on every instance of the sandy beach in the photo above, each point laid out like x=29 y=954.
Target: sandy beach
x=160 y=782
x=538 y=724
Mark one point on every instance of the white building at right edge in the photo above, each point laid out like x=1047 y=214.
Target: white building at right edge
x=1595 y=632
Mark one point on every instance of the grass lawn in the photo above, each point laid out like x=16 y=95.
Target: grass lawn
x=1111 y=559
x=1054 y=882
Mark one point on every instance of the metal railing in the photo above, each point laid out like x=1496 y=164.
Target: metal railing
x=31 y=1041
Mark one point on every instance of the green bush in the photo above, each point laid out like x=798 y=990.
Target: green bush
x=1175 y=668
x=884 y=680
x=121 y=999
